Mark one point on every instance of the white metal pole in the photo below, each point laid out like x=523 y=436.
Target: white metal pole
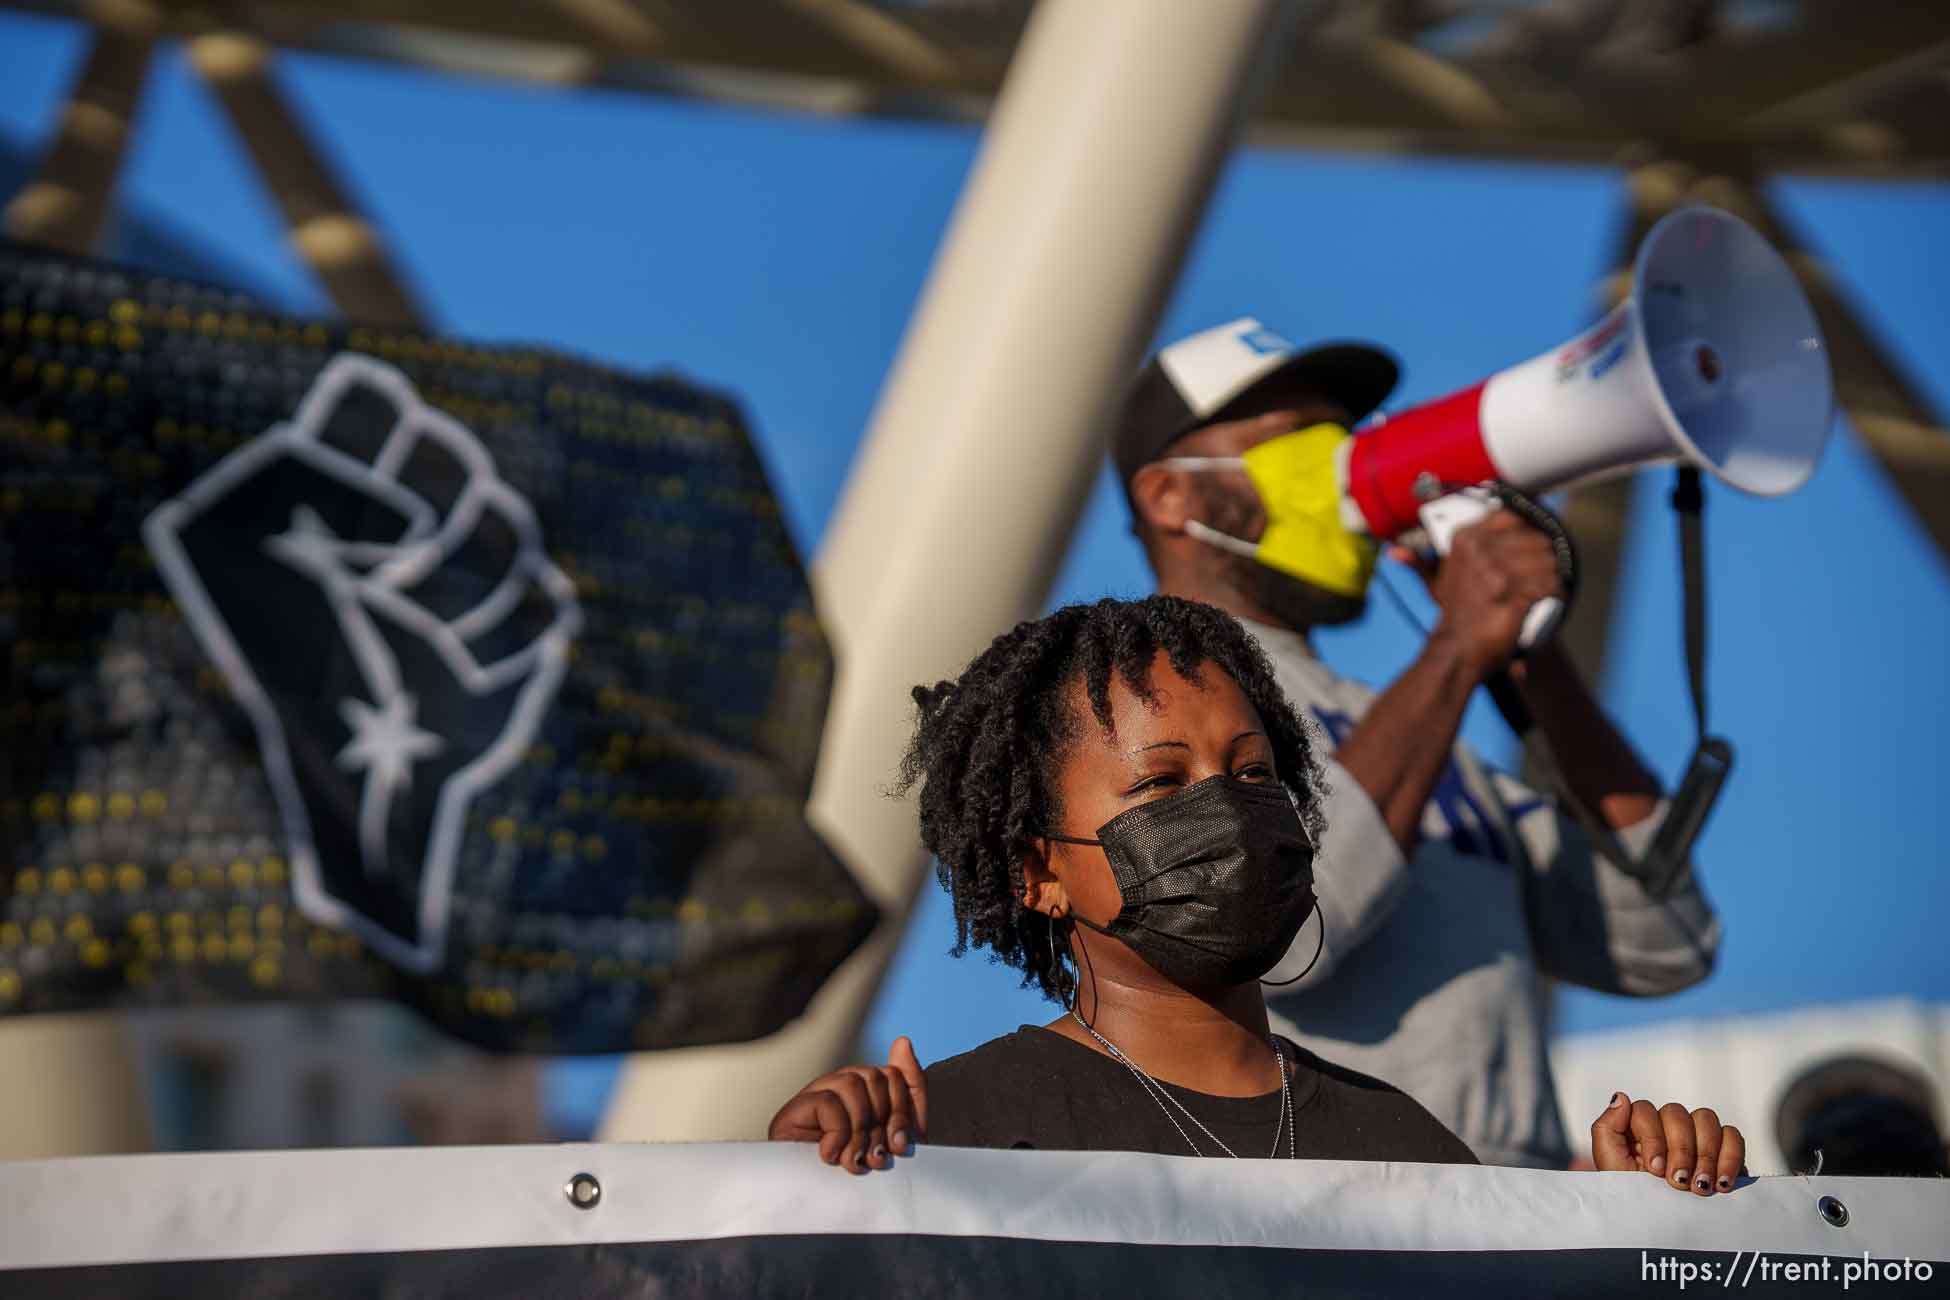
x=71 y=1087
x=1097 y=163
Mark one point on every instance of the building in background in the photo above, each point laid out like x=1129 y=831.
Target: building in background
x=1742 y=1066
x=351 y=1074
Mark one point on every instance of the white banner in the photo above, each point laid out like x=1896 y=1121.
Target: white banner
x=757 y=1219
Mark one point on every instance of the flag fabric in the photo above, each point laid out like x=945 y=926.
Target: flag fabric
x=759 y=1219
x=343 y=661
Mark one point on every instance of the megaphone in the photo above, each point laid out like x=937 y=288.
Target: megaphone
x=1714 y=360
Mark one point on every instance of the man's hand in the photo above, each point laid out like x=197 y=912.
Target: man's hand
x=1493 y=574
x=1690 y=1150
x=1496 y=569
x=861 y=1116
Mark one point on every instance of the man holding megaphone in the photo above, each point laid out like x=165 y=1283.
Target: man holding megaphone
x=1446 y=888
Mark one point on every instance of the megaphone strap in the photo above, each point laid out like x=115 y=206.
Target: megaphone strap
x=1712 y=760
x=1689 y=504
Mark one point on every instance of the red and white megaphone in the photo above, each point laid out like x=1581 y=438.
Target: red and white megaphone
x=1714 y=360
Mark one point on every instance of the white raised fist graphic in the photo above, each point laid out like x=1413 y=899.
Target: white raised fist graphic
x=380 y=604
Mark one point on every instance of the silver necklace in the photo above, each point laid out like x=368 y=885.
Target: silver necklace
x=1166 y=1101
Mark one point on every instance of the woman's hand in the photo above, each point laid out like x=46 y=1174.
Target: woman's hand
x=1690 y=1150
x=862 y=1116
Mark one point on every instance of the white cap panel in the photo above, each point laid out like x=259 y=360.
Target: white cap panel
x=1210 y=368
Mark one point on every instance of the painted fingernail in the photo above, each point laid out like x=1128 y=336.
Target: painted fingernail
x=1704 y=1184
x=1658 y=1164
x=880 y=1153
x=1681 y=1175
x=1616 y=1097
x=899 y=1139
x=1726 y=1184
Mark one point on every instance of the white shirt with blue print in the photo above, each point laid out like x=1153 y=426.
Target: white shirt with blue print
x=1430 y=969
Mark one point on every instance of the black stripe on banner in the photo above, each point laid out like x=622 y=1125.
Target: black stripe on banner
x=961 y=1267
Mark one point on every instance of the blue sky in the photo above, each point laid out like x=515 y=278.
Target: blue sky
x=778 y=257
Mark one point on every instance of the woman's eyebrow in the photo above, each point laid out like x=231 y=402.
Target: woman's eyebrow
x=1247 y=734
x=1162 y=744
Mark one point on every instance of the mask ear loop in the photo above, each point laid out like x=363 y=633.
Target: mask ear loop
x=1198 y=528
x=1224 y=541
x=1319 y=944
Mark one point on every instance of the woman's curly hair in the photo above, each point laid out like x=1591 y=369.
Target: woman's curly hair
x=989 y=745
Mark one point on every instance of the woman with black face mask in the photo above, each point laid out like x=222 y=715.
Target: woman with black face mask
x=1124 y=807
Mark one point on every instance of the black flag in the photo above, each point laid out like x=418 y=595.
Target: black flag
x=344 y=661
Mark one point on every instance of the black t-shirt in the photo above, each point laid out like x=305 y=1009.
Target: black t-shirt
x=1037 y=1089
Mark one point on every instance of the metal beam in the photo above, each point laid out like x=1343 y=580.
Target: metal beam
x=69 y=1087
x=1599 y=517
x=1599 y=514
x=1908 y=439
x=1904 y=434
x=616 y=24
x=808 y=38
x=1576 y=85
x=883 y=37
x=983 y=449
x=341 y=246
x=1833 y=42
x=66 y=204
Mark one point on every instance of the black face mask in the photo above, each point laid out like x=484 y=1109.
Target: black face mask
x=1216 y=879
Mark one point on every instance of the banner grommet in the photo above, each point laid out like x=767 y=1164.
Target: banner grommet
x=585 y=1192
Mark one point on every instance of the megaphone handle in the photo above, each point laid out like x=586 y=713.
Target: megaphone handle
x=1448 y=515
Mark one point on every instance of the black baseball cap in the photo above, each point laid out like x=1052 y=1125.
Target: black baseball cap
x=1191 y=383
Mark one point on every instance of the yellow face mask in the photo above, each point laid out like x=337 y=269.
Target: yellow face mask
x=1298 y=477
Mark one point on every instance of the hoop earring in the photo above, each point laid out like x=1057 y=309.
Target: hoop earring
x=1084 y=948
x=1055 y=966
